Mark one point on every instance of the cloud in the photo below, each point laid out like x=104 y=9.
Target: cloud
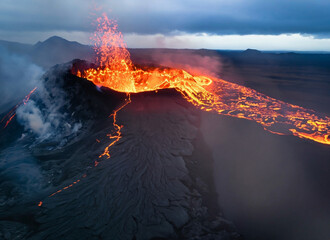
x=153 y=17
x=282 y=42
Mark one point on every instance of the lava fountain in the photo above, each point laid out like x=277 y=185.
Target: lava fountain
x=116 y=71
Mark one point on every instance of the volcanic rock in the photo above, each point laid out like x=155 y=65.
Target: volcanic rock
x=157 y=183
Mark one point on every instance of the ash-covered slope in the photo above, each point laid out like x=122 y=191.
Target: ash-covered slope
x=157 y=184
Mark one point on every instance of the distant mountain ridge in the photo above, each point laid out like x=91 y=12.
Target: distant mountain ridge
x=16 y=47
x=277 y=74
x=53 y=50
x=56 y=50
x=55 y=40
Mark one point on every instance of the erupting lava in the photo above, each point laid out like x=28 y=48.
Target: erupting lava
x=116 y=71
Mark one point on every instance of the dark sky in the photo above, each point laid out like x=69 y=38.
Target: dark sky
x=168 y=18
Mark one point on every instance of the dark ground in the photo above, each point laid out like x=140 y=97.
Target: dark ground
x=269 y=186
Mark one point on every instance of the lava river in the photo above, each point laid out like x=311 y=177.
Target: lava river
x=116 y=71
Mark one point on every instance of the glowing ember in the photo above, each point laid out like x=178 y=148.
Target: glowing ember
x=117 y=72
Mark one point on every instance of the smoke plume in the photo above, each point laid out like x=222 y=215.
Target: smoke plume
x=18 y=76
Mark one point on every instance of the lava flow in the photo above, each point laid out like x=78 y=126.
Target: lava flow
x=12 y=113
x=116 y=71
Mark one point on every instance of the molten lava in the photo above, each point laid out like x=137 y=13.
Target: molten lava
x=116 y=71
x=117 y=136
x=12 y=113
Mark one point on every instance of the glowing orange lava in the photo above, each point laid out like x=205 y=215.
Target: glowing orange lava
x=116 y=71
x=12 y=113
x=117 y=136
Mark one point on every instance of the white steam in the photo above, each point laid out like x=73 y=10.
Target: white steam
x=18 y=76
x=44 y=118
x=32 y=119
x=193 y=62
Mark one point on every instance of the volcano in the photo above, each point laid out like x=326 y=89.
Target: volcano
x=116 y=71
x=115 y=149
x=158 y=182
x=154 y=186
